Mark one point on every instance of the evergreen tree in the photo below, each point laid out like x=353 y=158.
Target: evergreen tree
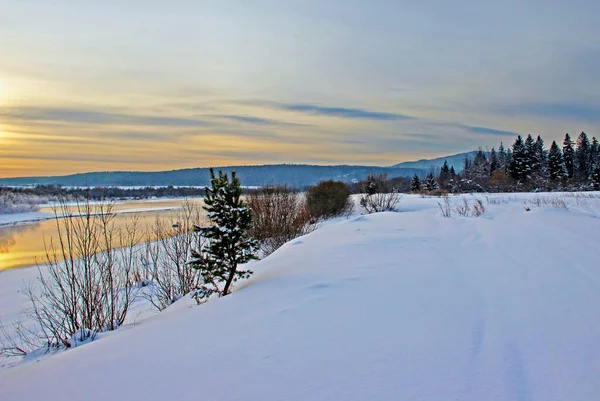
x=229 y=244
x=569 y=156
x=467 y=166
x=595 y=152
x=444 y=176
x=594 y=163
x=415 y=184
x=452 y=173
x=530 y=153
x=582 y=157
x=520 y=166
x=595 y=178
x=502 y=157
x=430 y=183
x=540 y=155
x=494 y=165
x=556 y=164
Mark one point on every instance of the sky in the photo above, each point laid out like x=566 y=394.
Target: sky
x=156 y=85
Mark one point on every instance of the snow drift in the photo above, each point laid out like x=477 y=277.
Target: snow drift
x=389 y=306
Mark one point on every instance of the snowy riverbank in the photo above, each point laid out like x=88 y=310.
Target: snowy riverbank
x=407 y=305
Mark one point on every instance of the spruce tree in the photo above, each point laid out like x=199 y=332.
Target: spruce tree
x=415 y=184
x=444 y=176
x=595 y=178
x=583 y=157
x=494 y=165
x=520 y=166
x=430 y=183
x=229 y=243
x=569 y=156
x=502 y=157
x=556 y=164
x=540 y=154
x=530 y=151
x=595 y=152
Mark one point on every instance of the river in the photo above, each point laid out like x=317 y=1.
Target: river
x=23 y=244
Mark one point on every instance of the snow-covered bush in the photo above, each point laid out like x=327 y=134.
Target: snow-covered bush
x=12 y=202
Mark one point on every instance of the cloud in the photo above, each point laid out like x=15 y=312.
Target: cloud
x=341 y=112
x=579 y=111
x=256 y=120
x=344 y=112
x=98 y=117
x=486 y=130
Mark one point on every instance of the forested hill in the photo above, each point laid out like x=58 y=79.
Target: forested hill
x=295 y=175
x=292 y=175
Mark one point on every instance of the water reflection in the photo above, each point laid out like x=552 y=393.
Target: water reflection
x=23 y=245
x=8 y=235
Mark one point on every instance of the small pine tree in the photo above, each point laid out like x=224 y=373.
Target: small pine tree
x=371 y=185
x=229 y=244
x=569 y=156
x=415 y=184
x=430 y=183
x=556 y=164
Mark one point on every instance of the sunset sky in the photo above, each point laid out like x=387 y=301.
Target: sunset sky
x=155 y=85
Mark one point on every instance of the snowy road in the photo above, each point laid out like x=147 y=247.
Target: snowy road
x=392 y=306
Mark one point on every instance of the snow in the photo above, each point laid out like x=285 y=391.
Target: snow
x=388 y=306
x=26 y=217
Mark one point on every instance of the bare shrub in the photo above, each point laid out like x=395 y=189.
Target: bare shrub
x=279 y=214
x=445 y=207
x=554 y=202
x=463 y=208
x=165 y=256
x=381 y=202
x=16 y=341
x=478 y=208
x=378 y=195
x=83 y=284
x=328 y=199
x=436 y=193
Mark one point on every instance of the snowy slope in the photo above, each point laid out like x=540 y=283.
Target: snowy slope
x=392 y=306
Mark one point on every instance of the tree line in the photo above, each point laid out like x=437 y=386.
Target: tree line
x=526 y=166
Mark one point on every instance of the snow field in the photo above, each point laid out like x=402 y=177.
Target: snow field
x=407 y=305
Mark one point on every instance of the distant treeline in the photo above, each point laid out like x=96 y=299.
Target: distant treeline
x=526 y=166
x=53 y=192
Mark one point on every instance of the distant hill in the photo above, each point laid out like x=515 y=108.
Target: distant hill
x=295 y=175
x=426 y=164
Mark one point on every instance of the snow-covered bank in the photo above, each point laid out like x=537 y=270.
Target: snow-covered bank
x=389 y=306
x=27 y=217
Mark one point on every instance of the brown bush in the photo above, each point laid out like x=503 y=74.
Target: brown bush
x=279 y=215
x=328 y=199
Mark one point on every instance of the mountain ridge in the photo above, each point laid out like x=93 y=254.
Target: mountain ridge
x=296 y=175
